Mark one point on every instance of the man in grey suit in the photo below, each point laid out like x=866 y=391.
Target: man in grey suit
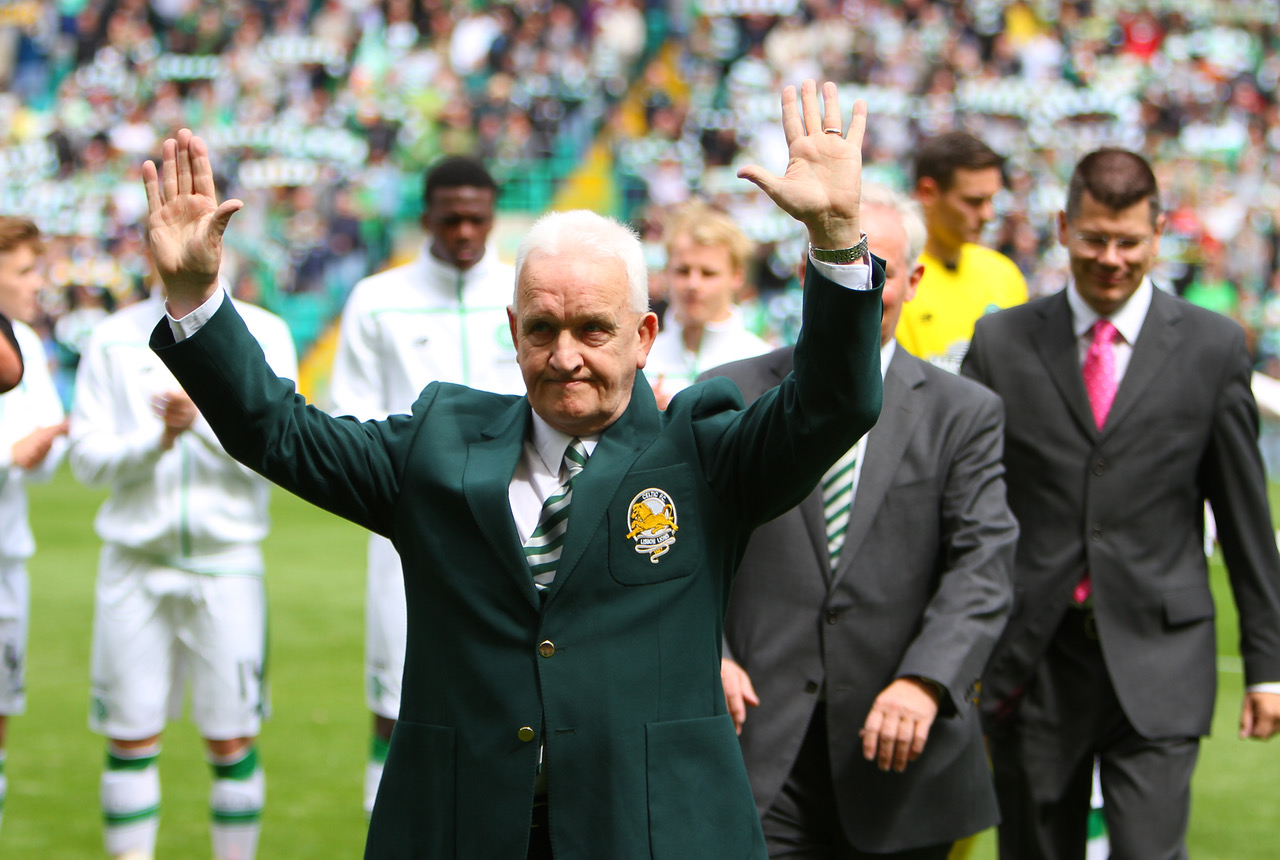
x=891 y=630
x=1127 y=409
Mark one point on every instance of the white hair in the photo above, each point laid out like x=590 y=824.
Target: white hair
x=907 y=208
x=581 y=231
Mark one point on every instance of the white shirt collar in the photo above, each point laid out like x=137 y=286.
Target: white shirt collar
x=1128 y=320
x=886 y=356
x=551 y=443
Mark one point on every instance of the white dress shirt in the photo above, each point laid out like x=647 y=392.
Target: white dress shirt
x=1128 y=321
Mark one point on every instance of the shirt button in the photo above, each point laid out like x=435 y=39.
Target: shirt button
x=546 y=648
x=525 y=734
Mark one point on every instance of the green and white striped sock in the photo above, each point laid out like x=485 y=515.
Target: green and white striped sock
x=130 y=797
x=235 y=804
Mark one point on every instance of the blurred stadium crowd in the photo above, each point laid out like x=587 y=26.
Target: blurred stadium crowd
x=324 y=114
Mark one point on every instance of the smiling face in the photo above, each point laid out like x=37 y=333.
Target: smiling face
x=1110 y=250
x=702 y=280
x=578 y=341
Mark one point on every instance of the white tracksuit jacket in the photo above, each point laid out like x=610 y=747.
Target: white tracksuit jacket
x=32 y=404
x=191 y=507
x=674 y=368
x=423 y=322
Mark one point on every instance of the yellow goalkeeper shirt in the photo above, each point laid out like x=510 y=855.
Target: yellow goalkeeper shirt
x=937 y=324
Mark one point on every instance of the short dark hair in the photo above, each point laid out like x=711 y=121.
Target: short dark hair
x=938 y=158
x=1116 y=178
x=16 y=232
x=457 y=171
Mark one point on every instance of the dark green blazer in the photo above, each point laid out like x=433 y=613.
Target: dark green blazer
x=618 y=673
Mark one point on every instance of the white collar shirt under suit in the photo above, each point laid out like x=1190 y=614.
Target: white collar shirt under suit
x=191 y=507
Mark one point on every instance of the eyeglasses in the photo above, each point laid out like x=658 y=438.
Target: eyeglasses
x=1098 y=243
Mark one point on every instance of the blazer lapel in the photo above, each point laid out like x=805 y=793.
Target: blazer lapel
x=886 y=445
x=486 y=483
x=1055 y=342
x=618 y=448
x=1156 y=343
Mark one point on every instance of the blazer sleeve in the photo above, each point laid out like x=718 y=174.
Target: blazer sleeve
x=1235 y=483
x=273 y=335
x=979 y=534
x=349 y=468
x=769 y=456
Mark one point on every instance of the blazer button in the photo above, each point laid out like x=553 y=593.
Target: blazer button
x=811 y=687
x=525 y=734
x=1099 y=467
x=833 y=617
x=547 y=648
x=1096 y=534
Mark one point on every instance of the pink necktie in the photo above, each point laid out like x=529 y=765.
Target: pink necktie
x=1100 y=371
x=1100 y=384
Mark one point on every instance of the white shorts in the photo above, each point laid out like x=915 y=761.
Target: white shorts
x=385 y=629
x=155 y=628
x=15 y=600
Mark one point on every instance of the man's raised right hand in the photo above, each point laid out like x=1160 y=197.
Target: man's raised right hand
x=185 y=223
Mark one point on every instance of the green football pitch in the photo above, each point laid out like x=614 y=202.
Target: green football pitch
x=313 y=747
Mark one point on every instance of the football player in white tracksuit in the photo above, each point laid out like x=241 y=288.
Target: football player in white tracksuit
x=707 y=260
x=31 y=447
x=441 y=317
x=179 y=590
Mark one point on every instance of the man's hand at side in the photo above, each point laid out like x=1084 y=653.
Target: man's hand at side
x=1260 y=716
x=738 y=692
x=898 y=726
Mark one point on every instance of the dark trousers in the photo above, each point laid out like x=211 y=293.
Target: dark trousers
x=1043 y=763
x=803 y=822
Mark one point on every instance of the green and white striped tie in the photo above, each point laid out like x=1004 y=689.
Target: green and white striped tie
x=542 y=549
x=837 y=501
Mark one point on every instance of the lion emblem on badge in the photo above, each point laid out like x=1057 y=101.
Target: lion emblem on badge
x=653 y=523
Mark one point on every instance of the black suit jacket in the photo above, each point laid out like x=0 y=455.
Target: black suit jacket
x=1127 y=503
x=923 y=588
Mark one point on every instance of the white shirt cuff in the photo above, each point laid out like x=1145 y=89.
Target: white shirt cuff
x=194 y=321
x=852 y=276
x=1269 y=687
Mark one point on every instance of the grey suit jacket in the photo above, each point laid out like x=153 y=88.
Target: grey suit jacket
x=1126 y=504
x=923 y=588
